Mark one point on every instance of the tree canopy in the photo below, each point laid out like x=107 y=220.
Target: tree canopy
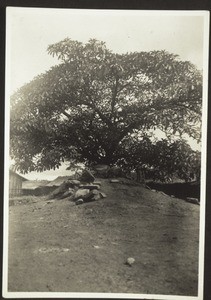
x=87 y=107
x=161 y=160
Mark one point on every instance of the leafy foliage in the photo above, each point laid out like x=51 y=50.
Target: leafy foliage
x=161 y=160
x=85 y=108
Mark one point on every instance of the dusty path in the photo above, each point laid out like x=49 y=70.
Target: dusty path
x=61 y=247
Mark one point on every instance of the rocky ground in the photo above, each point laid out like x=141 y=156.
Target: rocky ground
x=57 y=246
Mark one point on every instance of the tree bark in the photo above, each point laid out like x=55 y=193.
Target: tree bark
x=140 y=176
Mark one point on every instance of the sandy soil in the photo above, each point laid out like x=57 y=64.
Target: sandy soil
x=60 y=247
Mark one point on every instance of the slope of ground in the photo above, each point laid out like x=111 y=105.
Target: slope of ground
x=57 y=246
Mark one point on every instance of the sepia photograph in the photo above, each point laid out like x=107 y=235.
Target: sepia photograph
x=105 y=153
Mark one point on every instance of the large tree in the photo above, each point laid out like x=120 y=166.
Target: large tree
x=85 y=107
x=161 y=160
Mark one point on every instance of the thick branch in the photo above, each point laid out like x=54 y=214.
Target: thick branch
x=97 y=110
x=123 y=86
x=92 y=105
x=66 y=114
x=113 y=100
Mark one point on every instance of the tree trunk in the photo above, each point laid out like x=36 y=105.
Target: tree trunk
x=140 y=175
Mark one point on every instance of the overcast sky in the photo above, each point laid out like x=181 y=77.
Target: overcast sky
x=30 y=31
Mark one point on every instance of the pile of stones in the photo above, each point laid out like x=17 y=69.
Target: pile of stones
x=84 y=189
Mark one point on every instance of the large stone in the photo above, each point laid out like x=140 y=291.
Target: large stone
x=91 y=196
x=89 y=186
x=103 y=195
x=71 y=198
x=74 y=182
x=79 y=201
x=95 y=192
x=58 y=192
x=81 y=193
x=114 y=181
x=87 y=195
x=87 y=176
x=68 y=193
x=97 y=183
x=96 y=195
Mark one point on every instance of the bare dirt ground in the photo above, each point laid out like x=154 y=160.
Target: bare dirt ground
x=57 y=246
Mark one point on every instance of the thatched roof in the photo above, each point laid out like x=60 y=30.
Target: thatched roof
x=12 y=173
